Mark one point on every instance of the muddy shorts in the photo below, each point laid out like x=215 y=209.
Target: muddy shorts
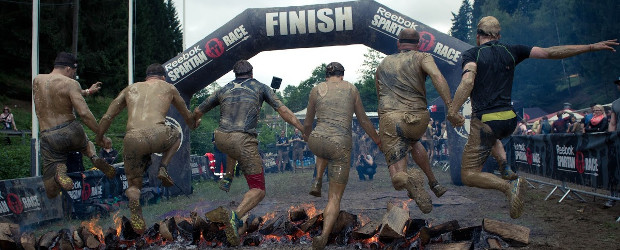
x=57 y=142
x=484 y=131
x=398 y=130
x=242 y=147
x=337 y=151
x=139 y=144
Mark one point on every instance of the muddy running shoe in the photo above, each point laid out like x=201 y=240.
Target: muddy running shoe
x=437 y=188
x=315 y=190
x=136 y=219
x=508 y=174
x=225 y=183
x=165 y=179
x=415 y=190
x=102 y=165
x=62 y=179
x=319 y=242
x=515 y=197
x=233 y=223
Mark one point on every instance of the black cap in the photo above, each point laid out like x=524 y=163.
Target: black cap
x=155 y=69
x=242 y=67
x=66 y=59
x=617 y=81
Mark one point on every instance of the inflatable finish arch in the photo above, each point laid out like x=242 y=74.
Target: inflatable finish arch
x=256 y=30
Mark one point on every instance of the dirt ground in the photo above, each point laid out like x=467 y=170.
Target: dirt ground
x=570 y=224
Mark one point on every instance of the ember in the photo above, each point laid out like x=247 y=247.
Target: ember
x=294 y=227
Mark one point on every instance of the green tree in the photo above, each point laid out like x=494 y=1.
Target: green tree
x=366 y=85
x=462 y=23
x=296 y=97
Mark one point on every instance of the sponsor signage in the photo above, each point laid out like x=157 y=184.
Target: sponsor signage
x=588 y=159
x=23 y=201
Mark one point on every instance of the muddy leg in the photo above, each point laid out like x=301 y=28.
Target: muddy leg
x=413 y=183
x=133 y=193
x=315 y=189
x=419 y=156
x=163 y=175
x=330 y=215
x=500 y=156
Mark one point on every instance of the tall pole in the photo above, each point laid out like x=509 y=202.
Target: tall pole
x=34 y=144
x=130 y=45
x=184 y=29
x=76 y=15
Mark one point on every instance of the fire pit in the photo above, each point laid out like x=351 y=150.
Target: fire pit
x=295 y=227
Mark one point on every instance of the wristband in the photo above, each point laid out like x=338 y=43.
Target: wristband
x=87 y=91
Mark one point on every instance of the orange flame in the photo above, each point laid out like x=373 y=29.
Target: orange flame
x=92 y=226
x=371 y=240
x=118 y=223
x=269 y=216
x=406 y=204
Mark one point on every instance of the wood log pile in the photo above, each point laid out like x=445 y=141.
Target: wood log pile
x=396 y=230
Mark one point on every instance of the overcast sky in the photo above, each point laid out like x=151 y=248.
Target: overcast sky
x=203 y=17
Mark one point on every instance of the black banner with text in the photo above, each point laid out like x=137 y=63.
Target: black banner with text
x=589 y=159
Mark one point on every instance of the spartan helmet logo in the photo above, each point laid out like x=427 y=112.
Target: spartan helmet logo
x=214 y=48
x=427 y=41
x=175 y=124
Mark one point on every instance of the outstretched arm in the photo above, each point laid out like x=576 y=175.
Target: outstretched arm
x=178 y=103
x=564 y=51
x=289 y=117
x=115 y=108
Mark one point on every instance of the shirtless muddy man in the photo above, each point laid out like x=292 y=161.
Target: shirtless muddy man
x=147 y=104
x=56 y=95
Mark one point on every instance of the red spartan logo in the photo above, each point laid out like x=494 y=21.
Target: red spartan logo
x=579 y=162
x=15 y=204
x=528 y=155
x=427 y=41
x=214 y=48
x=86 y=191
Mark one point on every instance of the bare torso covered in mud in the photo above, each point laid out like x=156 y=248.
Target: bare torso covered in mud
x=56 y=97
x=401 y=82
x=334 y=105
x=148 y=102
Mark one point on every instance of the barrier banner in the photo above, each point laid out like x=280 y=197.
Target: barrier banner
x=200 y=167
x=23 y=201
x=588 y=159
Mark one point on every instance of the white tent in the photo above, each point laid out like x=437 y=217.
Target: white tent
x=302 y=114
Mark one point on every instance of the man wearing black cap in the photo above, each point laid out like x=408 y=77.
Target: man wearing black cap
x=56 y=96
x=240 y=102
x=488 y=71
x=334 y=102
x=147 y=104
x=403 y=115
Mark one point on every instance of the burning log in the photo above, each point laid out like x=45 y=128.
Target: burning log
x=185 y=230
x=28 y=241
x=367 y=231
x=77 y=240
x=199 y=226
x=298 y=214
x=345 y=220
x=449 y=246
x=414 y=226
x=168 y=229
x=65 y=240
x=514 y=235
x=253 y=239
x=393 y=223
x=252 y=223
x=127 y=232
x=426 y=234
x=9 y=234
x=111 y=239
x=46 y=241
x=494 y=243
x=312 y=223
x=466 y=233
x=278 y=225
x=88 y=238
